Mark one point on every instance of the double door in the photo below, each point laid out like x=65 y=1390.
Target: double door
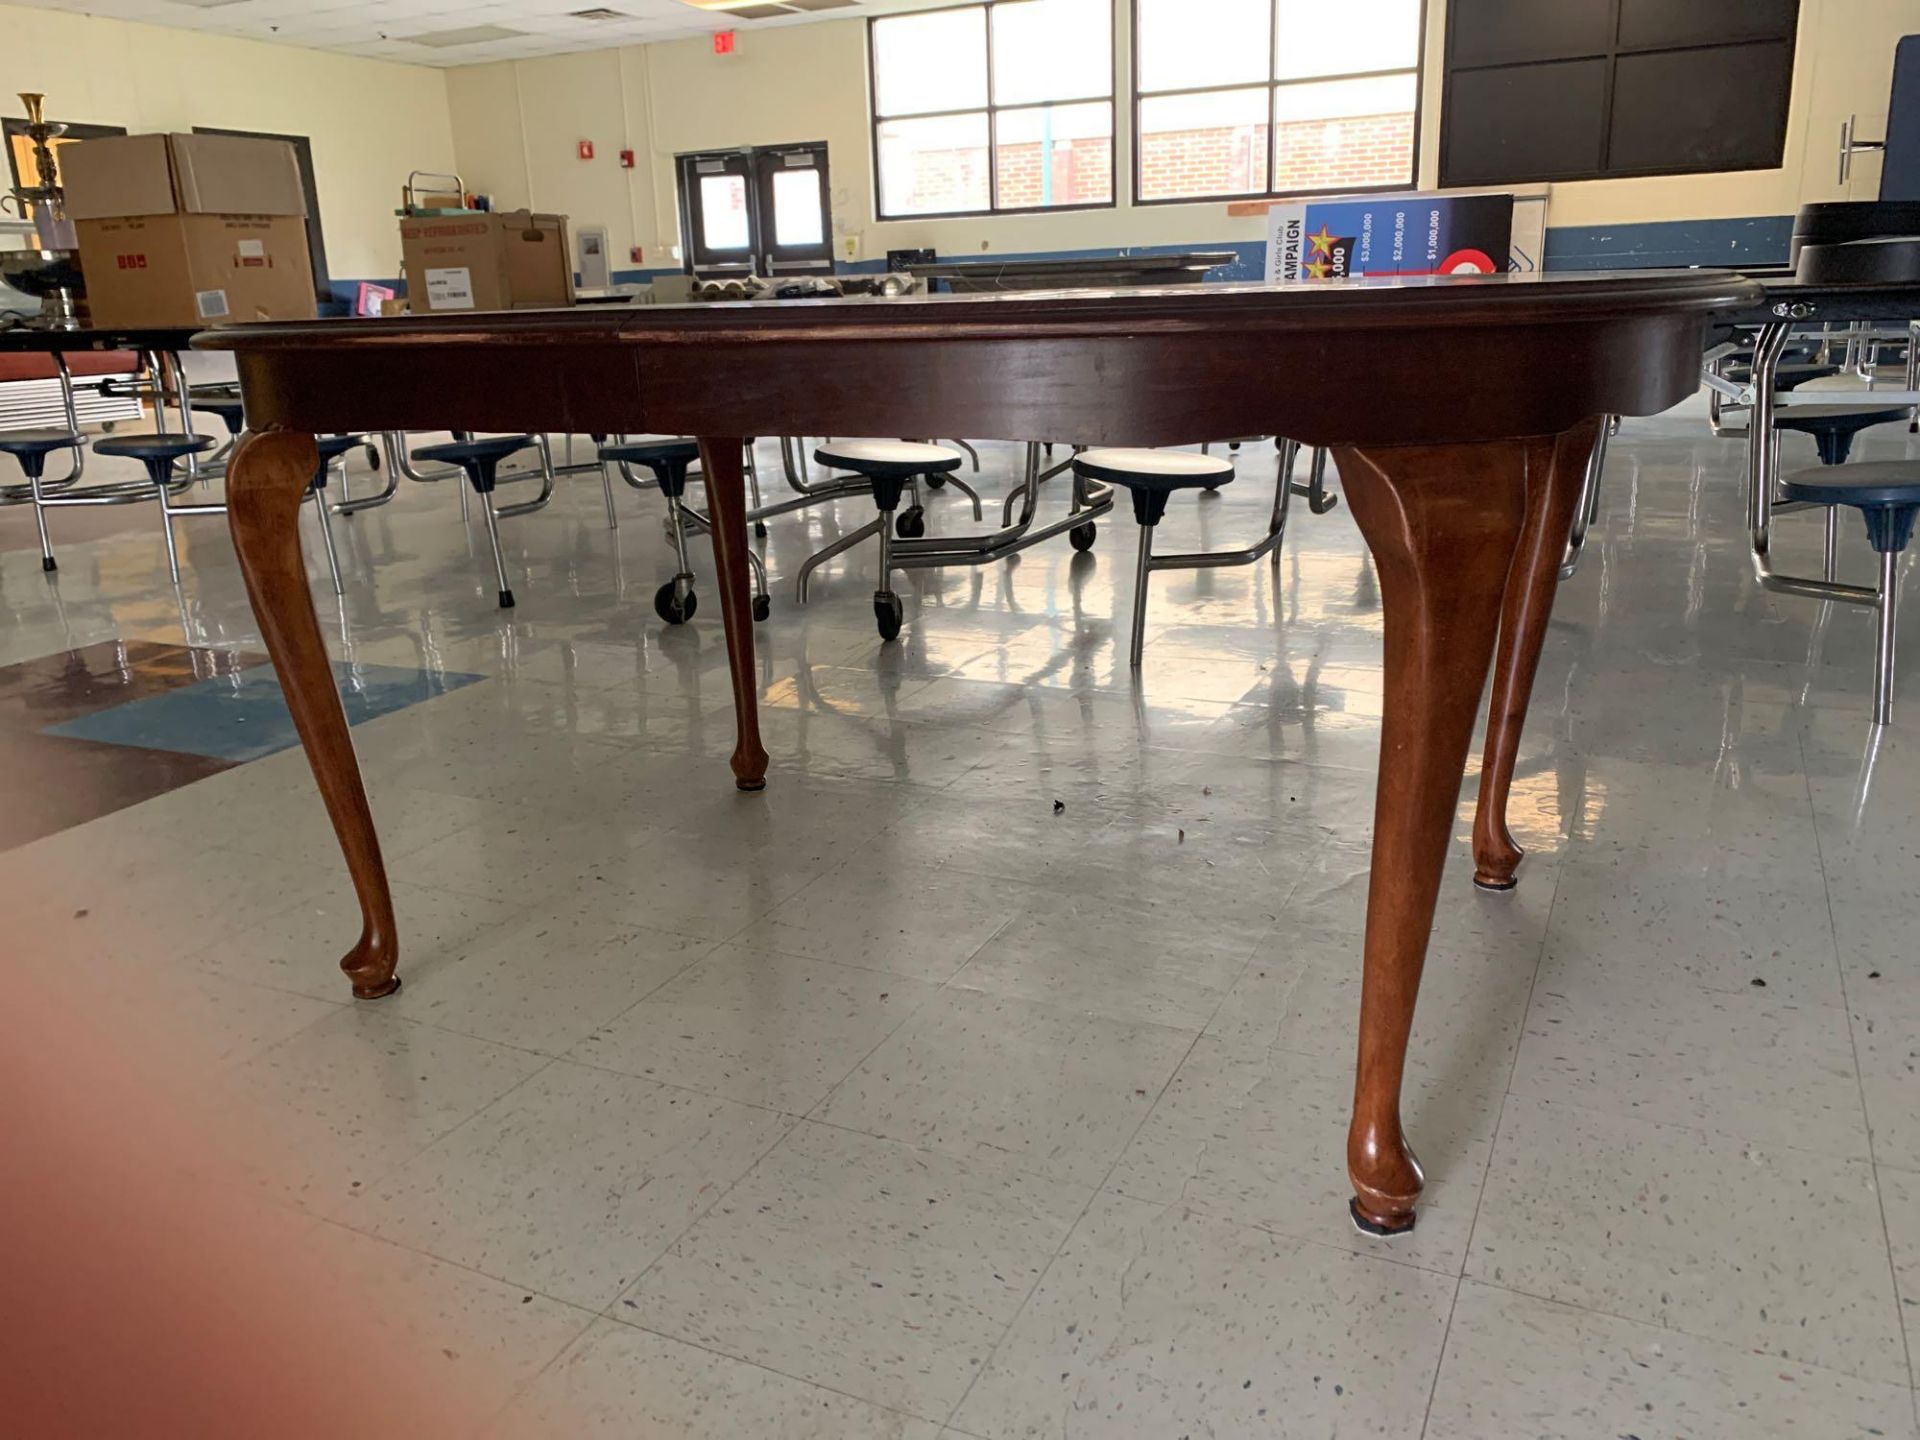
x=760 y=211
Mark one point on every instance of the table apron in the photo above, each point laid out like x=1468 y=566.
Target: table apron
x=1353 y=384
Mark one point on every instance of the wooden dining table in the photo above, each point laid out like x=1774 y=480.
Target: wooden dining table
x=1460 y=412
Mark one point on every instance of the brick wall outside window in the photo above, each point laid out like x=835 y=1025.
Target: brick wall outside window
x=1337 y=154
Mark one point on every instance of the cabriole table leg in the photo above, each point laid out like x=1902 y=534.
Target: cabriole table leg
x=1443 y=523
x=267 y=478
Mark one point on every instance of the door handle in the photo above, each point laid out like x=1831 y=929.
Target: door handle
x=1849 y=147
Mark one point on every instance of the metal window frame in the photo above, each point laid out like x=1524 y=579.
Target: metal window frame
x=991 y=111
x=1272 y=85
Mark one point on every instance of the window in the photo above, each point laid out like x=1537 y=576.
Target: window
x=1589 y=89
x=1274 y=97
x=762 y=211
x=995 y=107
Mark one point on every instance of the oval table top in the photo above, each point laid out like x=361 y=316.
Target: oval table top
x=1404 y=360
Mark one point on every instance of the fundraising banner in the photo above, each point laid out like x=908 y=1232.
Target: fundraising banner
x=1390 y=235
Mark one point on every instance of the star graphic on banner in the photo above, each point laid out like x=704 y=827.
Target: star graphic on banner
x=1322 y=244
x=1318 y=269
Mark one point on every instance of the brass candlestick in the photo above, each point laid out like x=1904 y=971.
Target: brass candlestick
x=50 y=270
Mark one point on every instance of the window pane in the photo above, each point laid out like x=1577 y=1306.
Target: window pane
x=796 y=207
x=935 y=165
x=1203 y=144
x=1342 y=133
x=935 y=61
x=1186 y=44
x=1314 y=38
x=1054 y=155
x=723 y=212
x=1051 y=50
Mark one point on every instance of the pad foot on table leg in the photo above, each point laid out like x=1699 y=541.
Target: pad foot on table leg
x=370 y=966
x=1385 y=1228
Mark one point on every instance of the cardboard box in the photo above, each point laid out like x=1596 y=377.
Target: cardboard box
x=189 y=230
x=514 y=260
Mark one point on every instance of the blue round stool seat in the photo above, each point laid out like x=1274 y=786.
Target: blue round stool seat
x=667 y=456
x=31 y=447
x=152 y=447
x=481 y=449
x=331 y=448
x=1833 y=426
x=646 y=452
x=1886 y=492
x=1152 y=475
x=232 y=414
x=1788 y=376
x=156 y=452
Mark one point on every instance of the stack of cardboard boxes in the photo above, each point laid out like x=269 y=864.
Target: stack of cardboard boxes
x=203 y=230
x=189 y=230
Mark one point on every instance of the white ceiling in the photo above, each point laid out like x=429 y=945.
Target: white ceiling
x=383 y=29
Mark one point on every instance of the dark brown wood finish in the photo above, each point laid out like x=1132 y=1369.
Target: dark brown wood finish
x=267 y=478
x=723 y=464
x=1553 y=493
x=1447 y=401
x=1443 y=523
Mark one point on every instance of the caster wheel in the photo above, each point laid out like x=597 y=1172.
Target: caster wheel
x=936 y=482
x=506 y=599
x=49 y=564
x=911 y=523
x=760 y=529
x=670 y=607
x=1081 y=536
x=373 y=458
x=887 y=614
x=762 y=607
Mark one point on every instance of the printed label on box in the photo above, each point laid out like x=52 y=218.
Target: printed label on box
x=212 y=304
x=251 y=249
x=450 y=289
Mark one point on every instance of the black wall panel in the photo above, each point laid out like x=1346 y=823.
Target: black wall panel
x=1695 y=109
x=1483 y=145
x=1493 y=32
x=1646 y=24
x=1588 y=89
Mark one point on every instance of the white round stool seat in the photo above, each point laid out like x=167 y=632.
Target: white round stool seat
x=864 y=455
x=1171 y=468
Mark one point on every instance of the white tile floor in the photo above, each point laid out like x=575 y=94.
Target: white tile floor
x=893 y=1103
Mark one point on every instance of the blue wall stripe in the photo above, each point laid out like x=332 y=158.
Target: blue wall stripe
x=1747 y=240
x=1750 y=240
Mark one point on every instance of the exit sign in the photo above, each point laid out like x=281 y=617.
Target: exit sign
x=723 y=42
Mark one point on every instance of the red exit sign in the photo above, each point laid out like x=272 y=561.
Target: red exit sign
x=723 y=42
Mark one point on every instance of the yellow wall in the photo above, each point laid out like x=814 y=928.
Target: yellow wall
x=370 y=121
x=515 y=126
x=511 y=128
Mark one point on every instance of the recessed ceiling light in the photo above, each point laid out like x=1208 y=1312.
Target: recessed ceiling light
x=818 y=4
x=207 y=4
x=470 y=35
x=599 y=12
